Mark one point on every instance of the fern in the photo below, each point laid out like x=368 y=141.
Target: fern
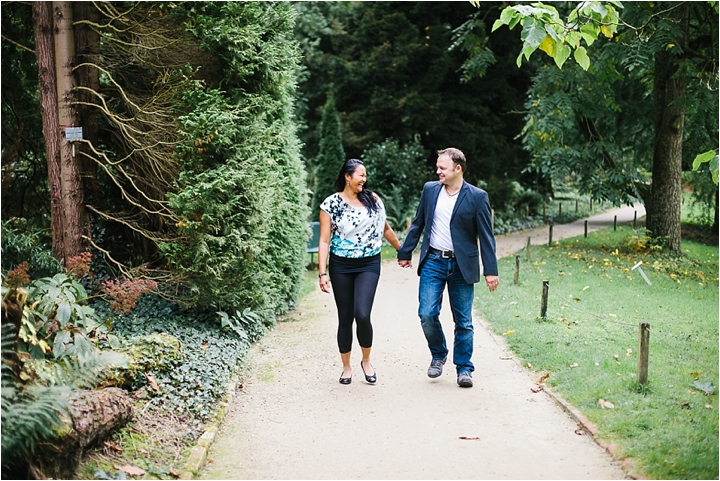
x=33 y=413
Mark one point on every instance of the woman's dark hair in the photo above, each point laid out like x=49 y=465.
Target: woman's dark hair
x=366 y=196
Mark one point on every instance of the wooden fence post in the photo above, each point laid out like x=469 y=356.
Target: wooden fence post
x=543 y=305
x=517 y=269
x=550 y=234
x=559 y=209
x=527 y=248
x=586 y=223
x=643 y=354
x=615 y=223
x=635 y=220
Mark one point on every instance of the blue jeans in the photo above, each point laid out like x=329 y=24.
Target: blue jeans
x=435 y=274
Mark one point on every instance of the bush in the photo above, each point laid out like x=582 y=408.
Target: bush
x=397 y=173
x=242 y=194
x=20 y=243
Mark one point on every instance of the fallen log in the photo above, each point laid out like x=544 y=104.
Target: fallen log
x=96 y=415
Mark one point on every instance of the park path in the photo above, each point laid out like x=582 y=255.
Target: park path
x=293 y=420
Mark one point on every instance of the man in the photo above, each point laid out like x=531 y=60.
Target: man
x=454 y=215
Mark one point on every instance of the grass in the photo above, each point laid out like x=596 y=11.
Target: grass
x=588 y=342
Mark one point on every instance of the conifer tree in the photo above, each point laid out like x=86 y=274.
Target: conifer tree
x=331 y=155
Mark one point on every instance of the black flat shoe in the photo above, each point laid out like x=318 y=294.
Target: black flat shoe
x=370 y=379
x=345 y=380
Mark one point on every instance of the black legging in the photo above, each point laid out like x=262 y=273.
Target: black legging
x=354 y=296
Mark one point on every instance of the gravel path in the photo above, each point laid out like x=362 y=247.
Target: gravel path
x=293 y=420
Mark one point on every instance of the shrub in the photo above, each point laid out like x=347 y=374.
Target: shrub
x=242 y=195
x=21 y=243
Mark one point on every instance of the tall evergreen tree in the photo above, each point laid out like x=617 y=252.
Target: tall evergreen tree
x=330 y=157
x=395 y=76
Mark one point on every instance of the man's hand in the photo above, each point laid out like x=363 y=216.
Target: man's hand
x=404 y=263
x=492 y=282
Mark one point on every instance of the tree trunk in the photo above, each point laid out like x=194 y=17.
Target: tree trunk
x=87 y=48
x=669 y=89
x=72 y=194
x=97 y=414
x=45 y=53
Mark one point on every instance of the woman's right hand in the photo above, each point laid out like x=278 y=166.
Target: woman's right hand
x=324 y=283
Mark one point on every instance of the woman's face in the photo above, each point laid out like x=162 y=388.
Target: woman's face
x=357 y=180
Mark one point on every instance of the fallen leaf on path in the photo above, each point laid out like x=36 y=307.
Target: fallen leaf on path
x=506 y=358
x=112 y=446
x=152 y=382
x=473 y=438
x=536 y=389
x=530 y=365
x=606 y=404
x=543 y=379
x=174 y=473
x=579 y=432
x=509 y=331
x=131 y=470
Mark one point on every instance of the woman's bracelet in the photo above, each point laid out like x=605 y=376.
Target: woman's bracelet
x=320 y=275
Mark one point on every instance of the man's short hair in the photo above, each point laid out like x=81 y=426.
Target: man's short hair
x=455 y=155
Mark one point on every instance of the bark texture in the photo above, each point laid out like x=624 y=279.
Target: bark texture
x=45 y=54
x=669 y=90
x=97 y=415
x=72 y=194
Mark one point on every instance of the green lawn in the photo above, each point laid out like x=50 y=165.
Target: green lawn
x=588 y=342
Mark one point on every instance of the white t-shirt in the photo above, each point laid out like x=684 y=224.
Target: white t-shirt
x=440 y=236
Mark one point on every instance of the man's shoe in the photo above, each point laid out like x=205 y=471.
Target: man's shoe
x=435 y=369
x=465 y=379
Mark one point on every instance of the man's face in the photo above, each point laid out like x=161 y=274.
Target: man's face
x=447 y=170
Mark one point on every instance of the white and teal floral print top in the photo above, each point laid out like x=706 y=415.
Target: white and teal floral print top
x=355 y=232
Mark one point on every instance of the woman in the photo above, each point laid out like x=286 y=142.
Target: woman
x=352 y=226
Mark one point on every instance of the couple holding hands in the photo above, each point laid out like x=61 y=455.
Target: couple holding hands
x=452 y=216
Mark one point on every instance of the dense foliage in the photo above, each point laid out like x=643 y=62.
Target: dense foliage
x=394 y=76
x=330 y=158
x=397 y=173
x=241 y=194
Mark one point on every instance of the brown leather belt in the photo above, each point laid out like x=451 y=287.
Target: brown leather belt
x=443 y=254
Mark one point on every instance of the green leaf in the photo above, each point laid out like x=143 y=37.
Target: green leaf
x=507 y=14
x=562 y=53
x=64 y=313
x=498 y=23
x=702 y=158
x=581 y=57
x=589 y=33
x=534 y=35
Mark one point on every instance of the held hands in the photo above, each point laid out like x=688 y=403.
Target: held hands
x=404 y=263
x=492 y=282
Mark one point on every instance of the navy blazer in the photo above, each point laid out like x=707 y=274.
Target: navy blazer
x=470 y=221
